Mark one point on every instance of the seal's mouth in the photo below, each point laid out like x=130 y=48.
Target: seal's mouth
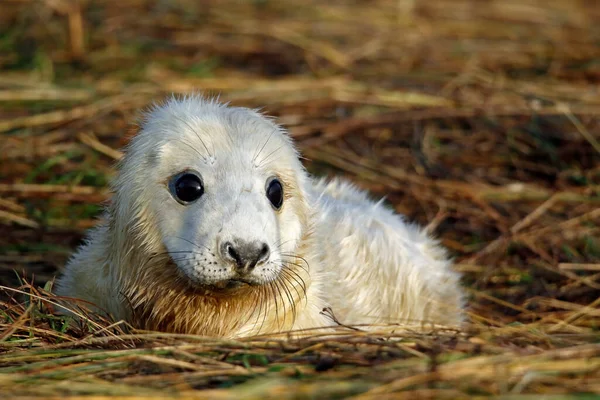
x=232 y=284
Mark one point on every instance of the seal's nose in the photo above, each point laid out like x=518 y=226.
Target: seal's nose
x=245 y=255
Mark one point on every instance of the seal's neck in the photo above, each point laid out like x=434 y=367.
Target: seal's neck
x=162 y=300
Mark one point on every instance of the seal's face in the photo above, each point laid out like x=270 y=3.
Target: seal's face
x=222 y=187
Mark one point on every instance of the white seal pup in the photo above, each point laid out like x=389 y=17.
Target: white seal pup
x=215 y=228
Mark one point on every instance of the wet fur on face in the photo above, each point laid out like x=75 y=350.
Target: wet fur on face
x=228 y=149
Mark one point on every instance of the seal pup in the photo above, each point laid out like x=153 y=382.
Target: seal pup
x=215 y=228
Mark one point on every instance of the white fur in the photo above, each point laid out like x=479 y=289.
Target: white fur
x=365 y=262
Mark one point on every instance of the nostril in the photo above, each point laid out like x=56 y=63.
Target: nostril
x=264 y=252
x=230 y=251
x=245 y=255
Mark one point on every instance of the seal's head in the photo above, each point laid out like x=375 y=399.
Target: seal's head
x=218 y=189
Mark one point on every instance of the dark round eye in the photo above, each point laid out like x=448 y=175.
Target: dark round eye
x=275 y=192
x=186 y=187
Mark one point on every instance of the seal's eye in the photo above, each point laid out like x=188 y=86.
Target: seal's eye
x=186 y=187
x=275 y=192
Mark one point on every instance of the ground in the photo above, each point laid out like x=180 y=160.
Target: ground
x=479 y=119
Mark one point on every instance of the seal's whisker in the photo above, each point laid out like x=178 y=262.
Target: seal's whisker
x=260 y=310
x=270 y=286
x=295 y=256
x=177 y=117
x=190 y=146
x=262 y=162
x=278 y=246
x=168 y=253
x=263 y=301
x=286 y=275
x=289 y=296
x=252 y=312
x=276 y=284
x=302 y=267
x=189 y=257
x=286 y=267
x=263 y=146
x=183 y=259
x=295 y=275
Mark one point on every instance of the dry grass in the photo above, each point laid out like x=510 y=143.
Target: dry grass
x=479 y=119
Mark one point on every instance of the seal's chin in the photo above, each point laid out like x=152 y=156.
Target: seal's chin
x=233 y=283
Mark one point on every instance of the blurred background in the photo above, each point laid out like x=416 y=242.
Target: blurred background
x=479 y=119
